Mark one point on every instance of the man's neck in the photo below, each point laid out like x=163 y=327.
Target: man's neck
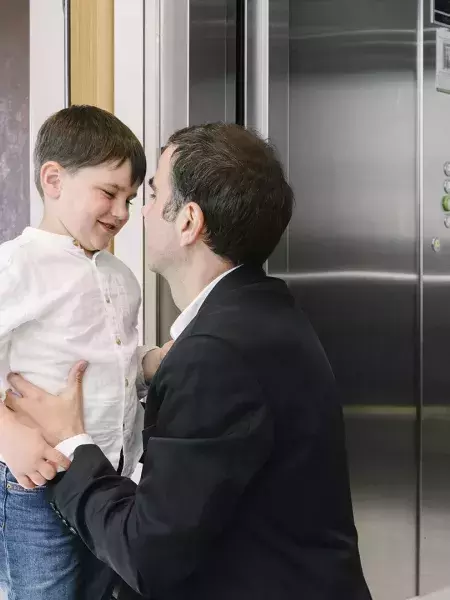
x=188 y=283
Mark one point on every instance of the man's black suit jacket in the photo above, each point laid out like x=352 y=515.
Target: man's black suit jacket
x=245 y=490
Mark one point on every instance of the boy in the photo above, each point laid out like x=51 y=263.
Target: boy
x=64 y=297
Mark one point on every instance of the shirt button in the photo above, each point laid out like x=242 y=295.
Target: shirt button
x=76 y=243
x=127 y=383
x=108 y=300
x=118 y=341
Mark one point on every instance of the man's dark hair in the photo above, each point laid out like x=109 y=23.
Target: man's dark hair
x=87 y=136
x=238 y=182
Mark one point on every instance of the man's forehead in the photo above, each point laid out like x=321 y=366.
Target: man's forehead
x=164 y=167
x=166 y=156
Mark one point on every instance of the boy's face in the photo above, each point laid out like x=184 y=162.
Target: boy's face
x=92 y=204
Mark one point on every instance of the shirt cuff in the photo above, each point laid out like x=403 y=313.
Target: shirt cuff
x=68 y=447
x=141 y=384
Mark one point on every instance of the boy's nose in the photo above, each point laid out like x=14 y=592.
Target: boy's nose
x=120 y=212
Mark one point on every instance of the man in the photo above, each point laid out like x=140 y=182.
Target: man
x=245 y=492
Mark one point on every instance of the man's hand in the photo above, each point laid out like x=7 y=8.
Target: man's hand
x=28 y=456
x=153 y=359
x=58 y=417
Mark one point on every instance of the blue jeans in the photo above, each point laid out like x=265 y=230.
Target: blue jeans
x=40 y=559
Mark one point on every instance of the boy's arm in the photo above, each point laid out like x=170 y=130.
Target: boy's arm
x=148 y=357
x=28 y=456
x=153 y=358
x=142 y=382
x=149 y=360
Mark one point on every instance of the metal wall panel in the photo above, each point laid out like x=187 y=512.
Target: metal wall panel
x=267 y=88
x=198 y=74
x=212 y=61
x=435 y=541
x=278 y=107
x=353 y=262
x=174 y=114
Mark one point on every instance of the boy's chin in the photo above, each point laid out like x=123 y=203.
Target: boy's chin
x=101 y=242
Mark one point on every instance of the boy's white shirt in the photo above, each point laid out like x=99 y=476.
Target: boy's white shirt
x=68 y=447
x=58 y=306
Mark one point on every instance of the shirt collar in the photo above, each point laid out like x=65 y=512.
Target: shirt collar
x=189 y=313
x=52 y=239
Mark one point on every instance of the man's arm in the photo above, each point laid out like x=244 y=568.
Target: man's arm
x=68 y=447
x=213 y=434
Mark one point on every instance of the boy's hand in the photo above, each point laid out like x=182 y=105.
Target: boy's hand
x=153 y=359
x=28 y=456
x=165 y=349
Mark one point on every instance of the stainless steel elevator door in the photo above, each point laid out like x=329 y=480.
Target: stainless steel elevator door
x=435 y=539
x=198 y=74
x=352 y=259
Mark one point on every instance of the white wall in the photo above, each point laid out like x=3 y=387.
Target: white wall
x=129 y=108
x=47 y=77
x=136 y=103
x=136 y=100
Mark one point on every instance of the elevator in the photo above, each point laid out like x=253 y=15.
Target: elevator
x=353 y=94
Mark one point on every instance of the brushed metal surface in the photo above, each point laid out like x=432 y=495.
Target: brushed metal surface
x=198 y=74
x=352 y=257
x=344 y=107
x=435 y=541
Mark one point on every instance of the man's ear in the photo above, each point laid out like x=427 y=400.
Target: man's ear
x=51 y=172
x=191 y=223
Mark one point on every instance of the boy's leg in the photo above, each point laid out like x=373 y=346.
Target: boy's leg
x=45 y=560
